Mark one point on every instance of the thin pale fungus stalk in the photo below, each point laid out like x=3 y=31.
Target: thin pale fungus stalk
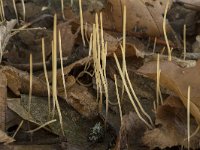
x=90 y=44
x=118 y=98
x=20 y=125
x=86 y=32
x=72 y=2
x=30 y=84
x=154 y=45
x=53 y=99
x=46 y=78
x=62 y=9
x=2 y=13
x=124 y=48
x=42 y=126
x=81 y=22
x=126 y=76
x=129 y=94
x=54 y=74
x=104 y=48
x=165 y=32
x=15 y=9
x=158 y=92
x=188 y=118
x=24 y=10
x=163 y=50
x=94 y=54
x=184 y=41
x=61 y=63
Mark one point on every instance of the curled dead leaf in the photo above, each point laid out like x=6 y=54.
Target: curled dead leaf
x=177 y=79
x=171 y=119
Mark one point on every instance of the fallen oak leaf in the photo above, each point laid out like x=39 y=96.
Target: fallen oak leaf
x=177 y=79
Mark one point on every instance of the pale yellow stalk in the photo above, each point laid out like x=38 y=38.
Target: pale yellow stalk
x=61 y=62
x=81 y=21
x=129 y=94
x=24 y=10
x=124 y=48
x=118 y=98
x=54 y=74
x=20 y=125
x=42 y=126
x=62 y=9
x=165 y=32
x=188 y=118
x=15 y=9
x=46 y=78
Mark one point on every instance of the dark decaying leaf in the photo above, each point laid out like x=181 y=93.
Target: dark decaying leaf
x=171 y=119
x=5 y=34
x=177 y=79
x=131 y=132
x=81 y=100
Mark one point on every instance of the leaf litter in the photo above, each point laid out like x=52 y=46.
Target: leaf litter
x=84 y=87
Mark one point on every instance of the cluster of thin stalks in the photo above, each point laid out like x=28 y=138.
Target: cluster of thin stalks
x=127 y=83
x=54 y=75
x=159 y=99
x=55 y=103
x=98 y=51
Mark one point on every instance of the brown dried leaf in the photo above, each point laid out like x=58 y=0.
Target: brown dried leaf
x=172 y=130
x=81 y=100
x=147 y=16
x=5 y=34
x=3 y=97
x=67 y=37
x=178 y=79
x=18 y=82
